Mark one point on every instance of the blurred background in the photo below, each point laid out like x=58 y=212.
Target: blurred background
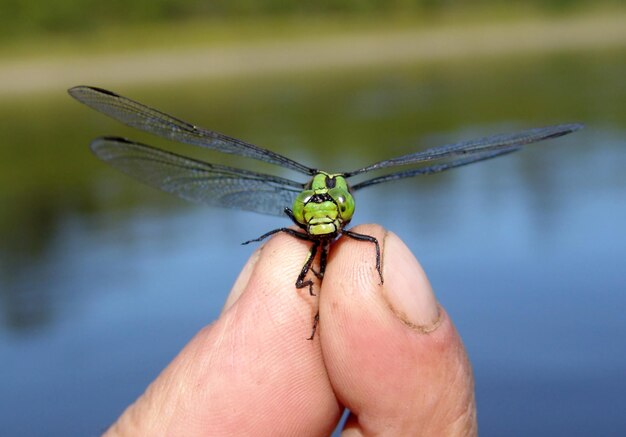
x=103 y=280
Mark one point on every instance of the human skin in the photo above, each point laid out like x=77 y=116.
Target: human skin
x=389 y=353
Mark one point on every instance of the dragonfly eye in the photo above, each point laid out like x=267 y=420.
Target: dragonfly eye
x=344 y=201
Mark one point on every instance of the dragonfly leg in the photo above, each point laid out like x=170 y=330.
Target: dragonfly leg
x=300 y=282
x=291 y=232
x=317 y=274
x=323 y=261
x=363 y=237
x=316 y=320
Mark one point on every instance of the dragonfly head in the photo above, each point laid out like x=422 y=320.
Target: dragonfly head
x=325 y=206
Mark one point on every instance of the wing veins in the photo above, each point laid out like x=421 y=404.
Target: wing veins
x=437 y=168
x=148 y=119
x=198 y=181
x=481 y=145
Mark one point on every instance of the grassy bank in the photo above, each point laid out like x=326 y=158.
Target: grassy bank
x=149 y=55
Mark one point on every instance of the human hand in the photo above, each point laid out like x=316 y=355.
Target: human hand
x=388 y=353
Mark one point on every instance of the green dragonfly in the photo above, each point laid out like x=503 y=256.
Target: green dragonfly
x=321 y=208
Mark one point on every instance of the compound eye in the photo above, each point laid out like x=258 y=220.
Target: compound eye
x=341 y=202
x=344 y=201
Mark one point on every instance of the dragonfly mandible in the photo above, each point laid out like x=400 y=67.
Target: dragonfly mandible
x=321 y=208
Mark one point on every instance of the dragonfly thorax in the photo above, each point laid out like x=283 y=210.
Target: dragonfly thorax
x=325 y=206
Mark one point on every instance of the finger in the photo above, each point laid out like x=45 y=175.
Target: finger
x=252 y=371
x=392 y=354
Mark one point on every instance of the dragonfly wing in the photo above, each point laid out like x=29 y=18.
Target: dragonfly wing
x=437 y=168
x=142 y=117
x=198 y=181
x=486 y=144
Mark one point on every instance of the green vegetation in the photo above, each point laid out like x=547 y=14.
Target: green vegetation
x=30 y=29
x=27 y=18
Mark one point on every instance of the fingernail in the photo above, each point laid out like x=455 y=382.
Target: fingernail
x=407 y=289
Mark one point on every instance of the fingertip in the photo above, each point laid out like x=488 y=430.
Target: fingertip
x=267 y=284
x=392 y=344
x=407 y=289
x=255 y=358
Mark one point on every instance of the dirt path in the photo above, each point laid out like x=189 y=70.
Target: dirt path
x=334 y=52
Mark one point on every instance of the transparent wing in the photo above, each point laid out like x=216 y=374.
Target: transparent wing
x=142 y=117
x=437 y=168
x=482 y=145
x=198 y=181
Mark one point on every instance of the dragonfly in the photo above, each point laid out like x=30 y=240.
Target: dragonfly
x=320 y=207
